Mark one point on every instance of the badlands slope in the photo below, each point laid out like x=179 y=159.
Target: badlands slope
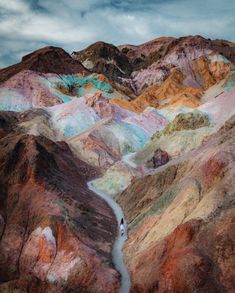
x=151 y=126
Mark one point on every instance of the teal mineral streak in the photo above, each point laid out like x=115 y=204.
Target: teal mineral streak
x=64 y=98
x=9 y=106
x=81 y=92
x=79 y=82
x=102 y=86
x=130 y=137
x=74 y=125
x=230 y=85
x=138 y=133
x=70 y=131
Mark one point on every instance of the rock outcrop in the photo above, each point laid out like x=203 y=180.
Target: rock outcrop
x=159 y=158
x=151 y=126
x=45 y=60
x=181 y=221
x=56 y=235
x=149 y=62
x=105 y=58
x=172 y=92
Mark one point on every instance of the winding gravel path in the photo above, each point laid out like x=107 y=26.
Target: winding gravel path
x=118 y=244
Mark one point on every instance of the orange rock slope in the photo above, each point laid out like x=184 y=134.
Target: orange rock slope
x=174 y=92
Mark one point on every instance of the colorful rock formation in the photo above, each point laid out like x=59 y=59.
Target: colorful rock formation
x=151 y=126
x=50 y=237
x=159 y=158
x=45 y=60
x=181 y=221
x=105 y=58
x=190 y=65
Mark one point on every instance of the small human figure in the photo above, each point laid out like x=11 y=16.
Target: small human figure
x=122 y=227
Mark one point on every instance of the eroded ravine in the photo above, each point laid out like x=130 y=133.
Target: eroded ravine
x=117 y=254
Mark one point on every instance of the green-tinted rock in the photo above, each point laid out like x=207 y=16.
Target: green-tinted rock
x=186 y=121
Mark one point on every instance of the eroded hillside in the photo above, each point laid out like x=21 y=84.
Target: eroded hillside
x=151 y=126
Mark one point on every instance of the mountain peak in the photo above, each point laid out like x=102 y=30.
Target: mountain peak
x=45 y=60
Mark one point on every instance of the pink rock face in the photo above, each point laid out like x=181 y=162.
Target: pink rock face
x=181 y=58
x=221 y=107
x=105 y=109
x=149 y=120
x=29 y=84
x=100 y=105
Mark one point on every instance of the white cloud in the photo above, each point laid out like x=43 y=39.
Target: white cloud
x=26 y=25
x=14 y=6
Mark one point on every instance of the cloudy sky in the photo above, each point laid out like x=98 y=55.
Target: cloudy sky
x=26 y=25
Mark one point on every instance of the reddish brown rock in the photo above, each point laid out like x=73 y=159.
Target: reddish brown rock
x=146 y=51
x=105 y=58
x=55 y=234
x=45 y=60
x=181 y=221
x=159 y=158
x=187 y=260
x=212 y=169
x=101 y=105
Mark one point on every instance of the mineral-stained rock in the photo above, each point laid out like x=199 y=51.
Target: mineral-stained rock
x=210 y=72
x=146 y=53
x=181 y=221
x=105 y=58
x=185 y=121
x=174 y=87
x=55 y=234
x=100 y=105
x=191 y=55
x=29 y=89
x=45 y=60
x=191 y=258
x=156 y=49
x=203 y=62
x=184 y=133
x=159 y=158
x=171 y=92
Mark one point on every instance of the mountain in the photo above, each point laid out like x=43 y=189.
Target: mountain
x=105 y=58
x=46 y=60
x=159 y=62
x=44 y=220
x=181 y=220
x=148 y=126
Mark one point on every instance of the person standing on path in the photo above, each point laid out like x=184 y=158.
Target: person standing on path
x=122 y=227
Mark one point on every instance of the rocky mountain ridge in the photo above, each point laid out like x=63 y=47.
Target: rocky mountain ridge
x=151 y=126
